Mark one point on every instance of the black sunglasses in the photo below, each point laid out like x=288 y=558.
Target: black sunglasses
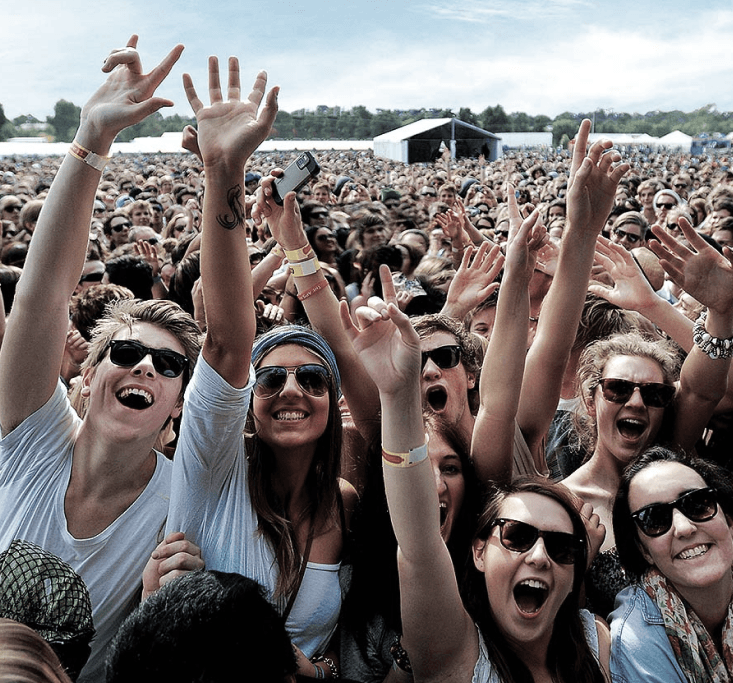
x=654 y=394
x=126 y=353
x=121 y=226
x=92 y=277
x=666 y=206
x=519 y=537
x=311 y=378
x=323 y=238
x=428 y=194
x=700 y=505
x=622 y=233
x=673 y=227
x=444 y=357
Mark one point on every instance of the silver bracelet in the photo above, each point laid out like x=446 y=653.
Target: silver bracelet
x=714 y=347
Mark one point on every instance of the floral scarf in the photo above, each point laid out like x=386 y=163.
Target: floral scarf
x=693 y=646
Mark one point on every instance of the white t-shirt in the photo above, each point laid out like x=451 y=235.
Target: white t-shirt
x=35 y=465
x=210 y=503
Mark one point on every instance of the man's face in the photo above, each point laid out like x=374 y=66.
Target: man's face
x=322 y=195
x=447 y=196
x=141 y=216
x=628 y=235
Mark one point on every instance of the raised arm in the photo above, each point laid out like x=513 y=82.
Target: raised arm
x=320 y=303
x=501 y=373
x=33 y=348
x=437 y=631
x=592 y=187
x=228 y=132
x=708 y=276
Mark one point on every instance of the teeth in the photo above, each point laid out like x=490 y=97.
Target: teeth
x=693 y=552
x=290 y=415
x=137 y=392
x=444 y=505
x=534 y=583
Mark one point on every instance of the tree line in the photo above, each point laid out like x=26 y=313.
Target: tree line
x=358 y=123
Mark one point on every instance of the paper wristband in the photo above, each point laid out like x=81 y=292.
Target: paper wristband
x=413 y=457
x=305 y=268
x=88 y=157
x=300 y=254
x=278 y=251
x=302 y=296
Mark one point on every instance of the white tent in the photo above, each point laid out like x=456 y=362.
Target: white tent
x=675 y=140
x=421 y=141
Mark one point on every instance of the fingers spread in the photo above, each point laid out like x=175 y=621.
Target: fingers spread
x=233 y=86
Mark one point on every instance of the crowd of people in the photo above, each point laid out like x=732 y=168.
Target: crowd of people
x=463 y=420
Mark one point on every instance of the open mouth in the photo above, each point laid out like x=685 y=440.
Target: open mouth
x=631 y=428
x=443 y=514
x=692 y=553
x=437 y=398
x=530 y=595
x=137 y=399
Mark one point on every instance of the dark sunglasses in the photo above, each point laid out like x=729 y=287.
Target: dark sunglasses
x=654 y=520
x=323 y=238
x=126 y=353
x=14 y=207
x=311 y=378
x=680 y=186
x=121 y=226
x=622 y=233
x=444 y=357
x=666 y=206
x=428 y=194
x=673 y=227
x=91 y=277
x=654 y=394
x=519 y=537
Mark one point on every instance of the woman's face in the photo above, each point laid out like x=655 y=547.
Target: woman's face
x=526 y=589
x=624 y=430
x=326 y=241
x=449 y=480
x=291 y=418
x=694 y=556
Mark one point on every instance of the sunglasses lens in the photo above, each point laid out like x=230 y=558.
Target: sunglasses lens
x=313 y=379
x=169 y=363
x=699 y=506
x=657 y=395
x=518 y=536
x=654 y=395
x=125 y=353
x=617 y=390
x=562 y=548
x=270 y=381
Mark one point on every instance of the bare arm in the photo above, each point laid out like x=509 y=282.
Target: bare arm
x=492 y=443
x=708 y=276
x=437 y=631
x=592 y=186
x=34 y=343
x=229 y=131
x=322 y=308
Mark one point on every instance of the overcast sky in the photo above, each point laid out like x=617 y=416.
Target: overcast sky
x=536 y=56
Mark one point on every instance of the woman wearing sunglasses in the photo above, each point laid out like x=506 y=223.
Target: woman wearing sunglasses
x=673 y=524
x=632 y=397
x=521 y=620
x=269 y=505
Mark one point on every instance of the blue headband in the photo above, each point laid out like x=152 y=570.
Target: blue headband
x=302 y=336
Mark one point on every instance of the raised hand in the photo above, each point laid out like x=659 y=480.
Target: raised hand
x=704 y=273
x=474 y=280
x=631 y=290
x=126 y=98
x=229 y=131
x=284 y=221
x=386 y=342
x=593 y=181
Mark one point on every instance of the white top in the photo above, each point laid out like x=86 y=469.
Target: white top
x=35 y=466
x=210 y=503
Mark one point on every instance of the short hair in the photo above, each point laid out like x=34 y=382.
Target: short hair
x=26 y=657
x=600 y=319
x=624 y=528
x=368 y=220
x=593 y=361
x=201 y=627
x=90 y=306
x=448 y=187
x=636 y=218
x=131 y=271
x=30 y=212
x=138 y=204
x=167 y=315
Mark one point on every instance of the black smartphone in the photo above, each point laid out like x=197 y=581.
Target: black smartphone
x=295 y=176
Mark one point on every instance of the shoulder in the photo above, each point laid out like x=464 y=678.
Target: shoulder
x=349 y=498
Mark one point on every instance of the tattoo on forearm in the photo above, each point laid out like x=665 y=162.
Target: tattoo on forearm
x=234 y=219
